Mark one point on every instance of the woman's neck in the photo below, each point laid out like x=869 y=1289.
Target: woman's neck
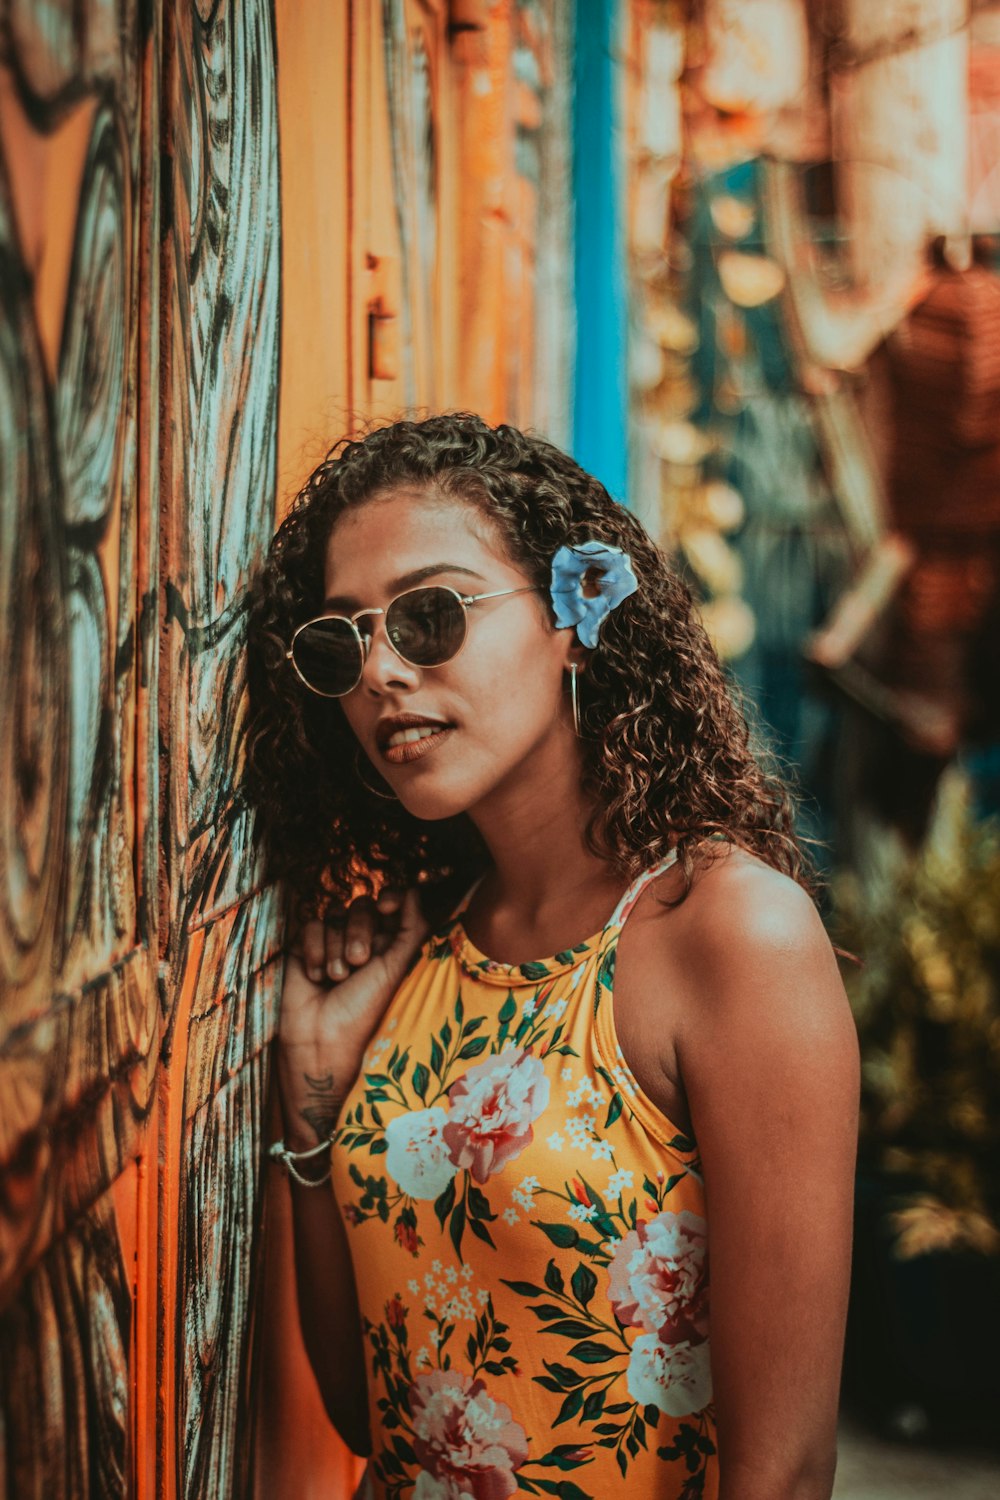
x=541 y=869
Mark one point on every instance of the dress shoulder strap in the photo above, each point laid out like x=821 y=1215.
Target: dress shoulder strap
x=637 y=887
x=459 y=908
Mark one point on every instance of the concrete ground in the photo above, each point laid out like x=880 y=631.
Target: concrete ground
x=871 y=1468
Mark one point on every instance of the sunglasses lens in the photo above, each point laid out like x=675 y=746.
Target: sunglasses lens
x=426 y=626
x=328 y=656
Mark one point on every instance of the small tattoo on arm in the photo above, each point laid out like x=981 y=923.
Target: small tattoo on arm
x=323 y=1106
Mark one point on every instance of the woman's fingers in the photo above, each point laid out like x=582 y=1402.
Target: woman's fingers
x=336 y=966
x=412 y=926
x=346 y=940
x=359 y=931
x=387 y=907
x=313 y=950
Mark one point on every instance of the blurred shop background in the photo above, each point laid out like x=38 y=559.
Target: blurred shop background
x=742 y=258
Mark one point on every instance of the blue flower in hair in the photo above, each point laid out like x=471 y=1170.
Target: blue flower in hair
x=572 y=606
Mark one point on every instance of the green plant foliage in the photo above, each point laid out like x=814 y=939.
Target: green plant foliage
x=927 y=1005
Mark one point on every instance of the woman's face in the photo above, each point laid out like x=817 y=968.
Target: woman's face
x=497 y=702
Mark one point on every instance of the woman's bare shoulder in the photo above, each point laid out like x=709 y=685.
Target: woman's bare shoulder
x=751 y=996
x=746 y=934
x=738 y=902
x=739 y=980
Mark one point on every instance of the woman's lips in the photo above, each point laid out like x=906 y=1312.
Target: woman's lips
x=398 y=755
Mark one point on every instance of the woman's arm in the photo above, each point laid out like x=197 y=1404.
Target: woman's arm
x=769 y=1061
x=324 y=1276
x=322 y=1036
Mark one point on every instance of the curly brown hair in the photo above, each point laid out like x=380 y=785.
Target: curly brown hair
x=667 y=757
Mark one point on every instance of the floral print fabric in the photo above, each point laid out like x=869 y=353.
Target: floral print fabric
x=528 y=1239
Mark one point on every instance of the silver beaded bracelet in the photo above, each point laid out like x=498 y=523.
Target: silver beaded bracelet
x=280 y=1152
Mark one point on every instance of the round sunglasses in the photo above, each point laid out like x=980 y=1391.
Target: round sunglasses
x=426 y=627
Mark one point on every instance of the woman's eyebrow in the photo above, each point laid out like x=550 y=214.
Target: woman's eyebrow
x=408 y=580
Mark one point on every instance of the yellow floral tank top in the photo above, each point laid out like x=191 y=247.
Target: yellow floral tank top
x=528 y=1239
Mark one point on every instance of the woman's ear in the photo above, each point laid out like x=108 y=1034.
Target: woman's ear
x=577 y=654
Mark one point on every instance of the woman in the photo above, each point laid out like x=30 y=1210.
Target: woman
x=608 y=1046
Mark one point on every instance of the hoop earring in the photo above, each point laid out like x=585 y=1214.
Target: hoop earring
x=385 y=796
x=574 y=696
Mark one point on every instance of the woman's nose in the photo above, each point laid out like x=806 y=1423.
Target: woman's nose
x=383 y=667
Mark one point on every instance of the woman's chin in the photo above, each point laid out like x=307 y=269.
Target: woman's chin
x=432 y=806
x=439 y=792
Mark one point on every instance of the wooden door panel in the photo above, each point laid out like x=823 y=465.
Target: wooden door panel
x=296 y=1450
x=399 y=110
x=511 y=214
x=317 y=400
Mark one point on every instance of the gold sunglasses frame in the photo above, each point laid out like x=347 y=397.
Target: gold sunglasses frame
x=465 y=600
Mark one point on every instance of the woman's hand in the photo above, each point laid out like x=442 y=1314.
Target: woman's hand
x=339 y=978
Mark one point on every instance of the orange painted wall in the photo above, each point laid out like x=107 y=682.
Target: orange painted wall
x=373 y=326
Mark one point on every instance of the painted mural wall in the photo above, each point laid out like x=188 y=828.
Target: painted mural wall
x=228 y=232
